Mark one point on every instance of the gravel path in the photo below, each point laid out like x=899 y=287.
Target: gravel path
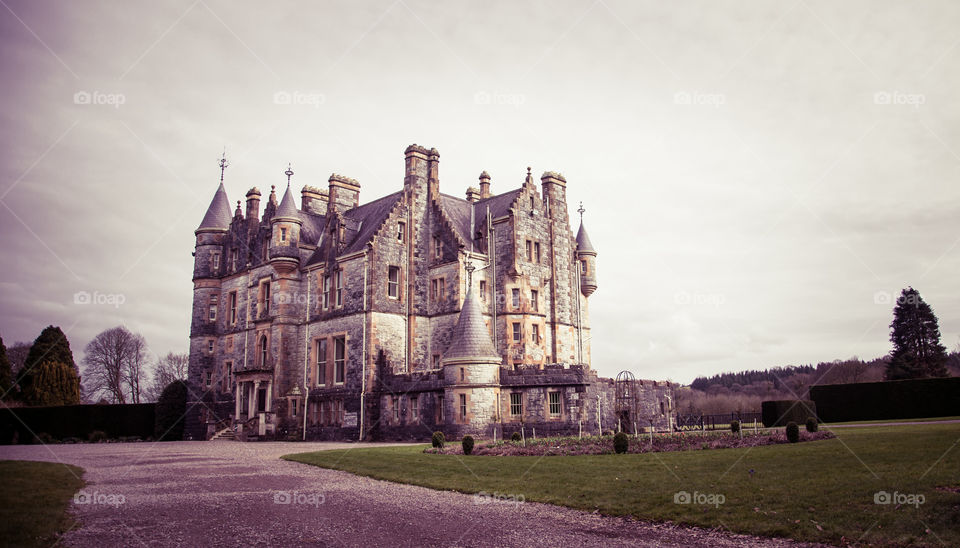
x=228 y=493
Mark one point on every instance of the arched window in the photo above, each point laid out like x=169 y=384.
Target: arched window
x=263 y=350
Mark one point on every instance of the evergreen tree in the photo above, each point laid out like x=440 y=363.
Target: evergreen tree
x=6 y=377
x=49 y=375
x=915 y=334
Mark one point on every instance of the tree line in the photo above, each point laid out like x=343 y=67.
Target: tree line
x=116 y=368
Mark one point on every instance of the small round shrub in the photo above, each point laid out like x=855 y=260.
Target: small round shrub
x=467 y=444
x=438 y=439
x=793 y=432
x=515 y=436
x=734 y=426
x=812 y=425
x=97 y=436
x=621 y=442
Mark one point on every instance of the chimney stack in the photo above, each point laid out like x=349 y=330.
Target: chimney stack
x=484 y=185
x=473 y=194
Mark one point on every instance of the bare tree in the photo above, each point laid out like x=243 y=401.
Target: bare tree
x=114 y=365
x=169 y=368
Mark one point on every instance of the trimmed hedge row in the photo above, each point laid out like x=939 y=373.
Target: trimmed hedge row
x=76 y=421
x=907 y=399
x=781 y=412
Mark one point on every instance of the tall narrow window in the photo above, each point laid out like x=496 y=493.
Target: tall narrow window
x=437 y=247
x=583 y=267
x=535 y=334
x=534 y=300
x=515 y=298
x=463 y=407
x=401 y=230
x=263 y=350
x=516 y=332
x=483 y=290
x=529 y=251
x=233 y=259
x=233 y=307
x=516 y=404
x=433 y=290
x=339 y=359
x=338 y=285
x=283 y=234
x=326 y=292
x=265 y=297
x=441 y=289
x=532 y=203
x=321 y=374
x=214 y=301
x=436 y=361
x=554 y=403
x=536 y=252
x=215 y=260
x=393 y=282
x=414 y=409
x=396 y=408
x=211 y=343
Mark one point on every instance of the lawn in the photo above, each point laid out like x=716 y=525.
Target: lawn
x=821 y=491
x=34 y=497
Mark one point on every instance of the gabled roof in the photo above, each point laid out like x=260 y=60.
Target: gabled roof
x=499 y=205
x=583 y=241
x=458 y=212
x=470 y=337
x=218 y=215
x=288 y=207
x=361 y=224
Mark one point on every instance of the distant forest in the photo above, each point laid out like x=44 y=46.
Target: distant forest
x=743 y=391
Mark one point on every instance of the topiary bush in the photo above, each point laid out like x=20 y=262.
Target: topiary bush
x=171 y=407
x=515 y=436
x=438 y=439
x=621 y=442
x=734 y=426
x=97 y=436
x=467 y=444
x=812 y=425
x=793 y=432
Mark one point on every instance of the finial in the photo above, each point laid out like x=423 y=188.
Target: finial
x=288 y=173
x=580 y=211
x=223 y=163
x=528 y=170
x=469 y=268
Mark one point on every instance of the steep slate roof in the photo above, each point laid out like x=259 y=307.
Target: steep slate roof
x=470 y=338
x=369 y=218
x=458 y=211
x=583 y=241
x=288 y=207
x=218 y=214
x=499 y=205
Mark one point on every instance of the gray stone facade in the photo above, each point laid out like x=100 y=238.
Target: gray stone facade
x=336 y=320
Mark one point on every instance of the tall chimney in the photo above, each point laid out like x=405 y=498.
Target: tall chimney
x=484 y=185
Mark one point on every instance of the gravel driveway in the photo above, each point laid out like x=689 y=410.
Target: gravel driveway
x=227 y=493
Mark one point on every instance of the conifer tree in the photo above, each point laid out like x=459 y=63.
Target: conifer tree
x=49 y=375
x=915 y=334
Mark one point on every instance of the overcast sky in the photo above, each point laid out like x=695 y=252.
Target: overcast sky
x=759 y=178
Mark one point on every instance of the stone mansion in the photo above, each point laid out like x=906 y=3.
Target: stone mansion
x=415 y=312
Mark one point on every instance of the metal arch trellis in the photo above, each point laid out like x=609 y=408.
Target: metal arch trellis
x=627 y=402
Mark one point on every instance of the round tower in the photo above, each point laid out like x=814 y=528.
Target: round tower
x=587 y=259
x=285 y=235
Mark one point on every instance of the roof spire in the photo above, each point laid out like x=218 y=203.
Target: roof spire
x=223 y=163
x=580 y=211
x=288 y=173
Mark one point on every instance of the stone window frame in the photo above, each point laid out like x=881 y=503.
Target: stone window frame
x=325 y=292
x=516 y=405
x=263 y=297
x=321 y=351
x=463 y=414
x=483 y=290
x=233 y=300
x=437 y=247
x=438 y=288
x=535 y=300
x=214 y=261
x=401 y=231
x=212 y=305
x=395 y=404
x=550 y=404
x=340 y=365
x=262 y=349
x=414 y=408
x=535 y=335
x=393 y=286
x=283 y=234
x=528 y=247
x=234 y=255
x=211 y=346
x=515 y=301
x=517 y=333
x=536 y=253
x=338 y=287
x=584 y=267
x=209 y=379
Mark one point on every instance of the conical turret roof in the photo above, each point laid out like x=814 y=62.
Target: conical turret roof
x=470 y=338
x=583 y=241
x=218 y=215
x=288 y=207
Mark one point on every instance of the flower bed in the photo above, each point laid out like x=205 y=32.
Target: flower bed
x=593 y=445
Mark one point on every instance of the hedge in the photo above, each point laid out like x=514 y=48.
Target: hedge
x=906 y=399
x=76 y=421
x=780 y=412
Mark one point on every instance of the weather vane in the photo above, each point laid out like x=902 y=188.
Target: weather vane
x=580 y=211
x=469 y=268
x=223 y=163
x=288 y=173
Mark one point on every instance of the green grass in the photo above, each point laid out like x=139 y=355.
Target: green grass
x=932 y=419
x=816 y=491
x=34 y=497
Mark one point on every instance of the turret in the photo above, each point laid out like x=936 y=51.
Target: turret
x=207 y=262
x=285 y=232
x=587 y=260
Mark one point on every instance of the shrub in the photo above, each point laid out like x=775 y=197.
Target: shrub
x=515 y=436
x=44 y=438
x=621 y=442
x=812 y=425
x=467 y=444
x=171 y=408
x=910 y=399
x=97 y=436
x=438 y=439
x=793 y=432
x=734 y=426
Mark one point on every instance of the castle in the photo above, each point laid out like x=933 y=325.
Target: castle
x=416 y=312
